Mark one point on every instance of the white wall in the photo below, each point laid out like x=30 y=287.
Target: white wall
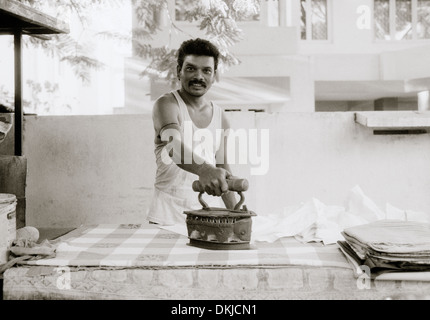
x=412 y=63
x=353 y=54
x=88 y=169
x=324 y=155
x=100 y=169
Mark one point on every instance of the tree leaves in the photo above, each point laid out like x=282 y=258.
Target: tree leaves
x=217 y=18
x=83 y=65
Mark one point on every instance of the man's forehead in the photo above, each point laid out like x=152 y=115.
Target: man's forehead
x=206 y=61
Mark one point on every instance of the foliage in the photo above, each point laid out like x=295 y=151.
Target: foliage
x=42 y=96
x=64 y=46
x=217 y=18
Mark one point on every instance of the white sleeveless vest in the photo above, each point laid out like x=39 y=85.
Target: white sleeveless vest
x=173 y=192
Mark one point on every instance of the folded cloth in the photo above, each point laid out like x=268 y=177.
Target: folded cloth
x=314 y=221
x=387 y=245
x=24 y=249
x=376 y=265
x=4 y=129
x=391 y=237
x=44 y=249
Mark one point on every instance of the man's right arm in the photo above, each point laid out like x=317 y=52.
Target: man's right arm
x=165 y=117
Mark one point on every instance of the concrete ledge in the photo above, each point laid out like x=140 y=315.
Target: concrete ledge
x=394 y=120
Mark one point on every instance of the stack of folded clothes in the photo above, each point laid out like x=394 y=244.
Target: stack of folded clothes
x=388 y=245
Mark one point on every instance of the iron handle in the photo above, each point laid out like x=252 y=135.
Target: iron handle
x=237 y=185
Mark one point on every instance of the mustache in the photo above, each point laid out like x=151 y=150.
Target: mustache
x=200 y=82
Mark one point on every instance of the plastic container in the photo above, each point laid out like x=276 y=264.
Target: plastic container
x=7 y=224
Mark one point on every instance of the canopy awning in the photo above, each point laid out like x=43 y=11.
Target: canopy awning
x=17 y=16
x=18 y=19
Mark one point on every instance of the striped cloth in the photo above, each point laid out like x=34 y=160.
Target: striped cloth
x=148 y=246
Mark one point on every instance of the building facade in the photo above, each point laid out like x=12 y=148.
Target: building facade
x=313 y=55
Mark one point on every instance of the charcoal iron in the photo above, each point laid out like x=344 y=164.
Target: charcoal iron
x=220 y=228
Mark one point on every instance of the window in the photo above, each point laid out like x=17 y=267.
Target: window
x=313 y=20
x=423 y=19
x=402 y=19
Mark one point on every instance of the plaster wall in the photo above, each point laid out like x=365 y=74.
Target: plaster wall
x=100 y=169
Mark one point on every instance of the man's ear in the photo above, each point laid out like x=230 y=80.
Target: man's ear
x=178 y=72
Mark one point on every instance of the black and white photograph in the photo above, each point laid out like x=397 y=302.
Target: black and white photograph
x=214 y=155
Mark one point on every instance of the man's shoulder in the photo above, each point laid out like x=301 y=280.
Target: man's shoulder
x=167 y=99
x=165 y=104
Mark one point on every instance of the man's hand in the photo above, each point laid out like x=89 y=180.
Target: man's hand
x=213 y=180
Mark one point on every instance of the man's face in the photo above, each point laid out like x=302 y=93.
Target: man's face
x=197 y=74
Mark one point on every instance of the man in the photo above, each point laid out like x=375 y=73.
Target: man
x=177 y=116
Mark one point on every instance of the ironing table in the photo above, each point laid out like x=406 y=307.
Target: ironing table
x=138 y=262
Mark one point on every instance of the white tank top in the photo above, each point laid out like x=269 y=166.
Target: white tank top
x=173 y=192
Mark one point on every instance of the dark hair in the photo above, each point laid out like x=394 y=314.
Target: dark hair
x=198 y=47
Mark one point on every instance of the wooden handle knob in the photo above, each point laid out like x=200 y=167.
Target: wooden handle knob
x=237 y=185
